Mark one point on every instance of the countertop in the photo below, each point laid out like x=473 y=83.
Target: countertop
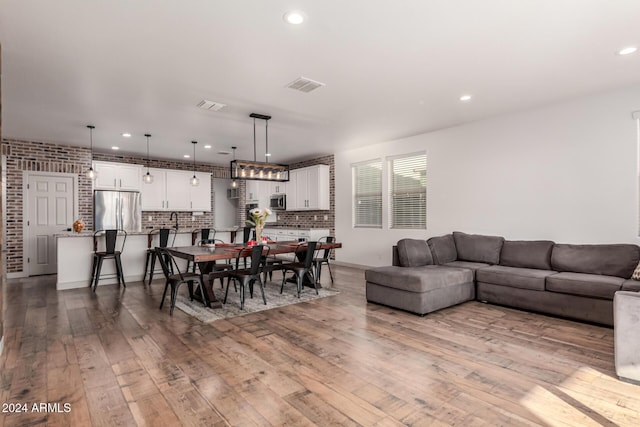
x=139 y=233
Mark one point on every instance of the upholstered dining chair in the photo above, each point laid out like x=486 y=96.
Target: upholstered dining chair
x=166 y=237
x=110 y=252
x=301 y=269
x=248 y=276
x=323 y=258
x=174 y=278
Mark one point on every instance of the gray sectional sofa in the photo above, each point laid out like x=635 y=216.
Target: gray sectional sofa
x=573 y=281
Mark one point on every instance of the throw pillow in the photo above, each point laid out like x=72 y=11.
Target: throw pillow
x=636 y=273
x=414 y=253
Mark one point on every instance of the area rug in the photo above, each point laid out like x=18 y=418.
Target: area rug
x=251 y=305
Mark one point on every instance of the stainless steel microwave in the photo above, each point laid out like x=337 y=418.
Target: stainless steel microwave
x=278 y=202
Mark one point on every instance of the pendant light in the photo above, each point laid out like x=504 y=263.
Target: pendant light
x=194 y=179
x=147 y=178
x=234 y=183
x=91 y=174
x=254 y=170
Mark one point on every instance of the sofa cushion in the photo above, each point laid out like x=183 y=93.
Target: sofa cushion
x=631 y=285
x=610 y=260
x=514 y=277
x=418 y=279
x=586 y=285
x=527 y=254
x=478 y=248
x=443 y=249
x=414 y=253
x=473 y=266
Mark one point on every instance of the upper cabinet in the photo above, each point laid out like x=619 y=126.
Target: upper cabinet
x=278 y=187
x=308 y=189
x=172 y=191
x=117 y=176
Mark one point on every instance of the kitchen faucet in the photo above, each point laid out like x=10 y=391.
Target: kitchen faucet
x=171 y=217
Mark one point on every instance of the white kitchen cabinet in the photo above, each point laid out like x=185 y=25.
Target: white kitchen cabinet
x=308 y=189
x=171 y=190
x=200 y=195
x=154 y=195
x=117 y=176
x=278 y=187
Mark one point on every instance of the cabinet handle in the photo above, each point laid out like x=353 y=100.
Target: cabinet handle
x=120 y=182
x=167 y=204
x=163 y=204
x=191 y=204
x=115 y=183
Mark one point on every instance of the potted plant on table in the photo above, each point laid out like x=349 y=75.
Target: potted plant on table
x=258 y=219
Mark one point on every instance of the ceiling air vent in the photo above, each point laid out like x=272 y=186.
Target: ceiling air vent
x=304 y=84
x=211 y=105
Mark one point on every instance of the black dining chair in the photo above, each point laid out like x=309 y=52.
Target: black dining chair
x=200 y=236
x=110 y=252
x=248 y=276
x=324 y=258
x=165 y=235
x=301 y=269
x=174 y=278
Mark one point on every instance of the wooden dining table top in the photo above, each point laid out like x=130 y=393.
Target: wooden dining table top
x=230 y=250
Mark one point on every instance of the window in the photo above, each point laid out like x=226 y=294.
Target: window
x=408 y=192
x=367 y=194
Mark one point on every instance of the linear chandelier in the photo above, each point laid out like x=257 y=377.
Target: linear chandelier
x=259 y=171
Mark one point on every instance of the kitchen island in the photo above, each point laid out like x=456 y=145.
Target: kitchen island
x=75 y=254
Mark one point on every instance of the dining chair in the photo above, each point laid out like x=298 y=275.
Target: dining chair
x=216 y=270
x=174 y=278
x=110 y=252
x=324 y=259
x=305 y=252
x=198 y=237
x=164 y=237
x=248 y=276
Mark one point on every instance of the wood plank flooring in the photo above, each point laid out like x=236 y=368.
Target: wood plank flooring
x=118 y=360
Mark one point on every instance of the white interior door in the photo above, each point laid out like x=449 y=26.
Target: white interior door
x=51 y=209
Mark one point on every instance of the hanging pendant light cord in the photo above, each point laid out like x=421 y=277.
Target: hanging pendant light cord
x=147 y=135
x=91 y=138
x=254 y=139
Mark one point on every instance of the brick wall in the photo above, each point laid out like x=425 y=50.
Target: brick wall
x=39 y=157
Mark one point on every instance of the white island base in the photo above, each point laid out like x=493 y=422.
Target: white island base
x=75 y=257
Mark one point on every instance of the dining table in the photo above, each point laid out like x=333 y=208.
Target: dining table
x=205 y=257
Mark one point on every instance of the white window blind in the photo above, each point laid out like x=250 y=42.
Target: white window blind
x=367 y=194
x=408 y=192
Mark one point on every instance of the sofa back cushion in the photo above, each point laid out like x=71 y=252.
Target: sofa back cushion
x=617 y=260
x=443 y=249
x=478 y=248
x=527 y=254
x=414 y=253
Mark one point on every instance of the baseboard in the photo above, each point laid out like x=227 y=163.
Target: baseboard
x=348 y=264
x=17 y=275
x=85 y=283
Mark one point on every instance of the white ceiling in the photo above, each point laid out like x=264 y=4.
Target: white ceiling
x=392 y=69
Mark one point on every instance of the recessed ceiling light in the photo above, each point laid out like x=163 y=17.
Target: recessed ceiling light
x=207 y=146
x=186 y=156
x=126 y=135
x=293 y=17
x=465 y=98
x=115 y=148
x=628 y=50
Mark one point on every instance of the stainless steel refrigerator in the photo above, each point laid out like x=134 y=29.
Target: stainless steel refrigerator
x=117 y=210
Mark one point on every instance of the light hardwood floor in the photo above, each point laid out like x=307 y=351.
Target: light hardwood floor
x=118 y=360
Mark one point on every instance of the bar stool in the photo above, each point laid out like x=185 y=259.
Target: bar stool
x=110 y=252
x=324 y=259
x=164 y=235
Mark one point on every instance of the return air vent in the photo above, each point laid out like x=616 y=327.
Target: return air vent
x=211 y=105
x=304 y=84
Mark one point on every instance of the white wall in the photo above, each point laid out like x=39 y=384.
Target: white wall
x=567 y=173
x=224 y=209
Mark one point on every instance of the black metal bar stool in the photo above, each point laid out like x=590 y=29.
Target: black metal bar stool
x=110 y=252
x=164 y=235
